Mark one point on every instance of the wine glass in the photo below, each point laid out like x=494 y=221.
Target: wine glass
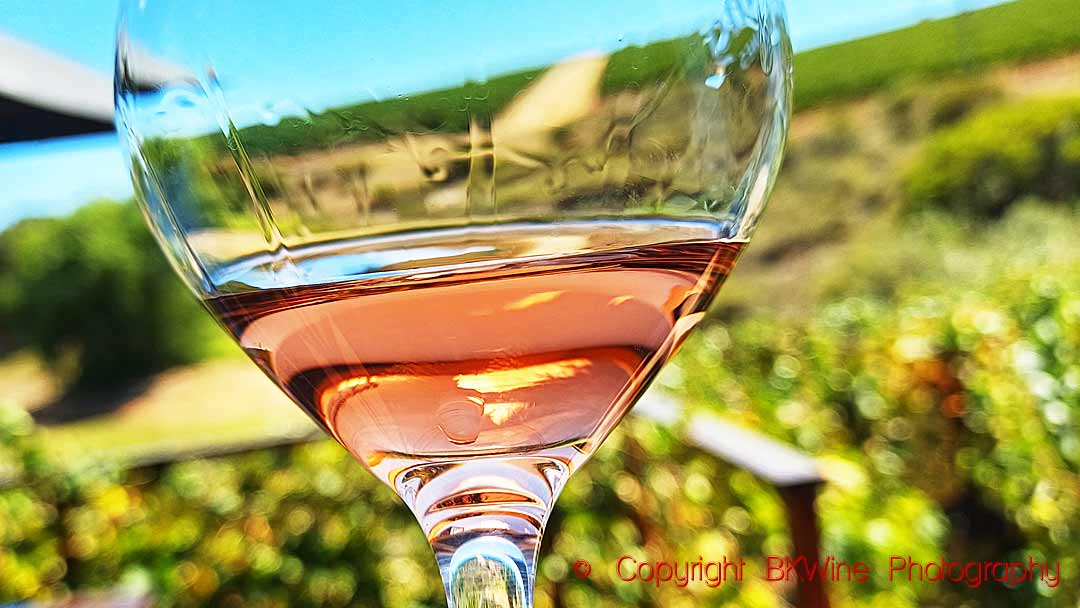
x=462 y=236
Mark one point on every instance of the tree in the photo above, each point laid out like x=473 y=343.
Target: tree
x=95 y=297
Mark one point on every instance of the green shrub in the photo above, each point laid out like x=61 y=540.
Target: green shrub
x=986 y=162
x=838 y=138
x=917 y=107
x=93 y=294
x=954 y=100
x=306 y=526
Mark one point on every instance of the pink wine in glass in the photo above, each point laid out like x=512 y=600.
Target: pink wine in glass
x=472 y=369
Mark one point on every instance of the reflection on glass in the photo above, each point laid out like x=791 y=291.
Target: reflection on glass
x=463 y=240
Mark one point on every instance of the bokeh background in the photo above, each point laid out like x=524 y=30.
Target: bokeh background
x=908 y=314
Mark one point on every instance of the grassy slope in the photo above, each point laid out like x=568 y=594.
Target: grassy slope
x=444 y=110
x=1016 y=31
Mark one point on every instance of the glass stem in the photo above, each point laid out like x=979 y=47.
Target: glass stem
x=489 y=572
x=484 y=518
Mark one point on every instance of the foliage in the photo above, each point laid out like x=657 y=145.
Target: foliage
x=838 y=139
x=940 y=413
x=959 y=404
x=92 y=293
x=986 y=162
x=305 y=526
x=1010 y=32
x=920 y=106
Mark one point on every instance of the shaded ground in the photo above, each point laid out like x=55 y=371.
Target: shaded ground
x=76 y=406
x=192 y=409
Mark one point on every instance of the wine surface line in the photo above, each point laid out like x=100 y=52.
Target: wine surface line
x=479 y=358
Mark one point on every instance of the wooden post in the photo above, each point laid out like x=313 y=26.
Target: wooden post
x=794 y=474
x=805 y=540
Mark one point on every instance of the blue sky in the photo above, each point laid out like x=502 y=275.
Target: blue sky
x=54 y=177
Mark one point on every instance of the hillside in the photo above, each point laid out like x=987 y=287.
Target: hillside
x=1012 y=32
